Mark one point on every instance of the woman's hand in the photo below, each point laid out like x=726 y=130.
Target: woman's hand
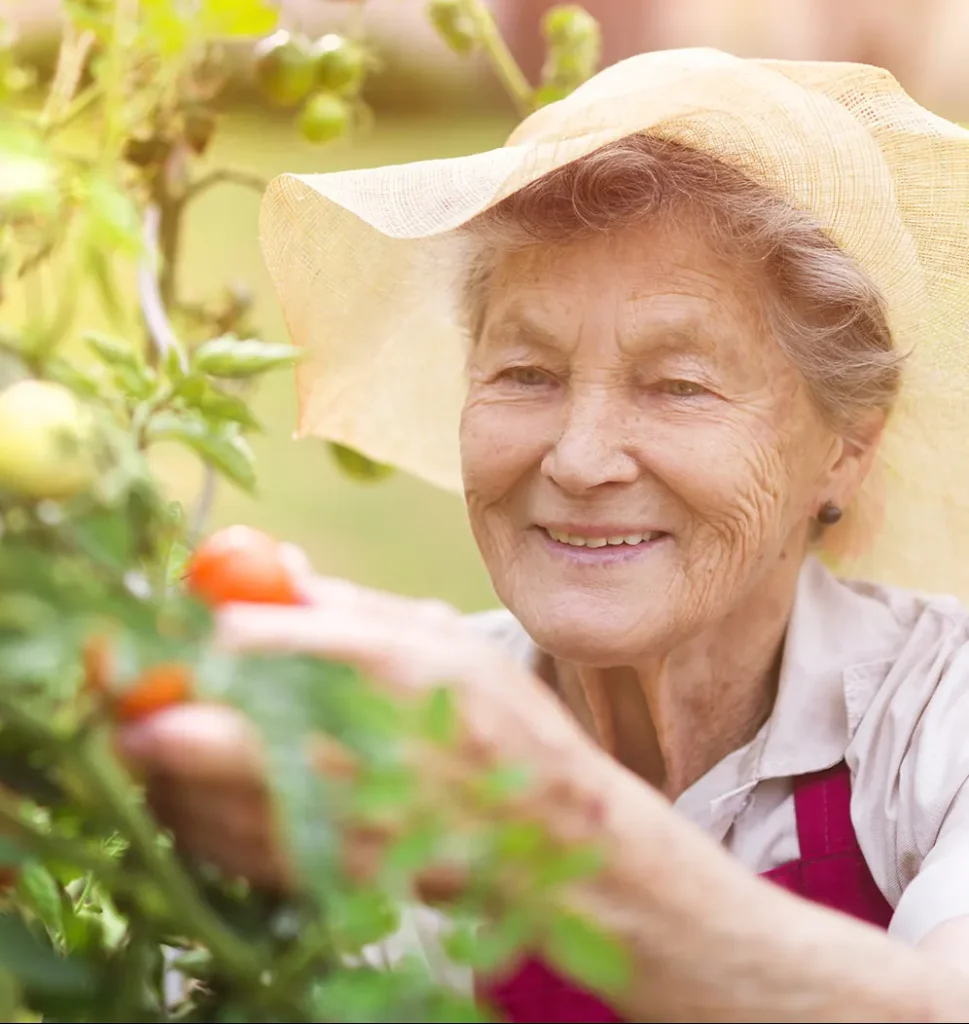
x=203 y=764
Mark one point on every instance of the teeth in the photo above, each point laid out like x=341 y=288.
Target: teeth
x=599 y=542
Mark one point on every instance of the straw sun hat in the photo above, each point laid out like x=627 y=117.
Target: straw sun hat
x=362 y=265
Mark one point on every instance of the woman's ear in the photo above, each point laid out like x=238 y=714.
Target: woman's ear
x=854 y=456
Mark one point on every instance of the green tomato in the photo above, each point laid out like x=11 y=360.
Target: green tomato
x=569 y=24
x=454 y=24
x=324 y=117
x=28 y=186
x=340 y=64
x=284 y=68
x=46 y=441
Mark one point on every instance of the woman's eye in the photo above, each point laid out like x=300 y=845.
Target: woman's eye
x=526 y=376
x=682 y=388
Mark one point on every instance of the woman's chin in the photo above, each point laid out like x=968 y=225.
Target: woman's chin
x=598 y=642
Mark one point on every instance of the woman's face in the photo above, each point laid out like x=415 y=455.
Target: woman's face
x=638 y=452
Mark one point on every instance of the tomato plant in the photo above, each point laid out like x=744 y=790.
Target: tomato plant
x=107 y=594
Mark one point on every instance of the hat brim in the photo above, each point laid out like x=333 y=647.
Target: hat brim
x=366 y=267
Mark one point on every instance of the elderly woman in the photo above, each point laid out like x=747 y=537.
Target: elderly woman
x=699 y=329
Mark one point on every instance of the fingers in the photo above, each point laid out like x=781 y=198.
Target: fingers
x=382 y=640
x=207 y=742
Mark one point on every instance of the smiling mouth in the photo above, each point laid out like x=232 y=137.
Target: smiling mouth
x=625 y=540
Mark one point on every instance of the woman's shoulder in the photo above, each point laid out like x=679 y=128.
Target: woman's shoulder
x=840 y=621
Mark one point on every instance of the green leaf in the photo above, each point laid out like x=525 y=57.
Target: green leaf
x=584 y=952
x=223 y=449
x=487 y=948
x=238 y=17
x=106 y=536
x=438 y=720
x=113 y=351
x=564 y=866
x=90 y=385
x=113 y=220
x=501 y=784
x=383 y=792
x=37 y=890
x=215 y=404
x=418 y=848
x=36 y=964
x=99 y=269
x=165 y=26
x=357 y=466
x=358 y=919
x=520 y=840
x=232 y=357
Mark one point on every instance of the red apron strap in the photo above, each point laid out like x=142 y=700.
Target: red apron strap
x=822 y=803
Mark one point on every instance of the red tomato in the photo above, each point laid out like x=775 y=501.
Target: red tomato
x=157 y=688
x=241 y=564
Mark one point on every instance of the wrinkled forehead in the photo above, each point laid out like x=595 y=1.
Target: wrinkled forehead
x=657 y=283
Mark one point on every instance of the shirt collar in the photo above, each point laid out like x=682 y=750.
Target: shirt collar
x=839 y=635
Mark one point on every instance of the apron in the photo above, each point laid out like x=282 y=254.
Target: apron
x=831 y=871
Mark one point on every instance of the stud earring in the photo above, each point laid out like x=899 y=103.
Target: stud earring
x=829 y=514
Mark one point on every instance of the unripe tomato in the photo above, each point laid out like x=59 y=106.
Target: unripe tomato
x=284 y=68
x=454 y=24
x=340 y=64
x=324 y=117
x=240 y=564
x=46 y=438
x=157 y=688
x=568 y=25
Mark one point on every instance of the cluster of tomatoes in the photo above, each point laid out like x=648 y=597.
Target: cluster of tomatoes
x=322 y=76
x=236 y=564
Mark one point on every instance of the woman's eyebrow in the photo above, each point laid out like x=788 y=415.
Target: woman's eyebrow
x=689 y=334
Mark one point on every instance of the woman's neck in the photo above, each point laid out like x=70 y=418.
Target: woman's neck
x=670 y=719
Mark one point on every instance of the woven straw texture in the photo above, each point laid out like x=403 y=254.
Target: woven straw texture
x=365 y=272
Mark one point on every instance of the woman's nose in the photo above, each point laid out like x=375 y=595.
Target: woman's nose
x=593 y=447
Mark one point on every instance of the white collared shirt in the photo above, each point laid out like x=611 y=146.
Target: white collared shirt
x=873 y=675
x=878 y=677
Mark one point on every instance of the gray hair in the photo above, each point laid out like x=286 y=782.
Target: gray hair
x=825 y=312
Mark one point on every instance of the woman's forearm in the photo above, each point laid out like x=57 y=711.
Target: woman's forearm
x=709 y=941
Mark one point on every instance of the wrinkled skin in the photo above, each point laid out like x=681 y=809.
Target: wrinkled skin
x=629 y=384
x=621 y=385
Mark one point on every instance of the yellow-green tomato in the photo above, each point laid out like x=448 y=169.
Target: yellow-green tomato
x=324 y=117
x=340 y=64
x=46 y=441
x=284 y=68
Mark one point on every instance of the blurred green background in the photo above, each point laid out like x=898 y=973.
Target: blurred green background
x=398 y=534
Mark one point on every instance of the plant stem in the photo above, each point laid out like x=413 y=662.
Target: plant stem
x=47 y=845
x=93 y=765
x=153 y=309
x=71 y=58
x=506 y=67
x=79 y=105
x=105 y=776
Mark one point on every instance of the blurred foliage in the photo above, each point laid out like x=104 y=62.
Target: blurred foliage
x=101 y=917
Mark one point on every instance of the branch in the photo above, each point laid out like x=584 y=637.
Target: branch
x=248 y=179
x=71 y=58
x=153 y=310
x=506 y=67
x=113 y=790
